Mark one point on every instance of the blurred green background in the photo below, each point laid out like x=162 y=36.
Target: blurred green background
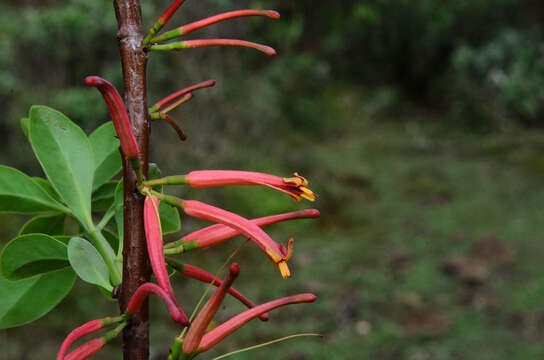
x=418 y=123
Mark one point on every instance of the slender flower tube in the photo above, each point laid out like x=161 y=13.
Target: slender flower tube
x=153 y=235
x=206 y=314
x=279 y=255
x=159 y=104
x=294 y=186
x=185 y=29
x=228 y=327
x=86 y=350
x=169 y=120
x=163 y=20
x=83 y=330
x=189 y=44
x=197 y=273
x=176 y=312
x=216 y=234
x=118 y=113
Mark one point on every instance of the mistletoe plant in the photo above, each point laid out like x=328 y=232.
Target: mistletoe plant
x=122 y=222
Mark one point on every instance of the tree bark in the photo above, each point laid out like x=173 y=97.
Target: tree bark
x=136 y=268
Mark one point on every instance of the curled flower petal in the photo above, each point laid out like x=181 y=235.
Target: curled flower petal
x=228 y=327
x=86 y=350
x=206 y=314
x=197 y=273
x=118 y=113
x=176 y=312
x=256 y=234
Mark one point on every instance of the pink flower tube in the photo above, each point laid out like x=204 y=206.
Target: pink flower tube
x=78 y=333
x=153 y=235
x=216 y=234
x=118 y=113
x=176 y=312
x=222 y=331
x=86 y=350
x=206 y=314
x=295 y=186
x=197 y=273
x=278 y=254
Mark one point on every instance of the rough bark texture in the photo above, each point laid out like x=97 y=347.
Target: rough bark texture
x=136 y=269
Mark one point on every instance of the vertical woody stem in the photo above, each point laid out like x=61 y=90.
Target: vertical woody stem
x=136 y=269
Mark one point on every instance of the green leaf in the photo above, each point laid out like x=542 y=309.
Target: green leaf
x=25 y=122
x=169 y=215
x=169 y=218
x=111 y=238
x=45 y=185
x=19 y=193
x=118 y=203
x=32 y=254
x=87 y=263
x=103 y=196
x=66 y=157
x=49 y=224
x=107 y=158
x=26 y=300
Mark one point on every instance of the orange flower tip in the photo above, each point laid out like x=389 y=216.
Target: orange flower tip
x=284 y=270
x=289 y=253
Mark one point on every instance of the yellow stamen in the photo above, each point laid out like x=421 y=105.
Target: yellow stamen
x=284 y=270
x=307 y=194
x=297 y=180
x=276 y=258
x=289 y=249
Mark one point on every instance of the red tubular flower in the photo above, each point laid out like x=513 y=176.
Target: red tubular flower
x=185 y=29
x=278 y=254
x=118 y=113
x=78 y=333
x=86 y=350
x=153 y=235
x=189 y=44
x=216 y=234
x=159 y=104
x=197 y=273
x=176 y=312
x=170 y=11
x=206 y=314
x=222 y=331
x=294 y=186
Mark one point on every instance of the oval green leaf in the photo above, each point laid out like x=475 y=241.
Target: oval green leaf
x=65 y=154
x=169 y=216
x=87 y=263
x=50 y=225
x=107 y=158
x=21 y=194
x=26 y=300
x=32 y=254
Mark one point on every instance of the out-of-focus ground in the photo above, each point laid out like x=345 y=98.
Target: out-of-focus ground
x=418 y=125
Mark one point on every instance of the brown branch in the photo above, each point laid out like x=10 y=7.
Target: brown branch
x=136 y=269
